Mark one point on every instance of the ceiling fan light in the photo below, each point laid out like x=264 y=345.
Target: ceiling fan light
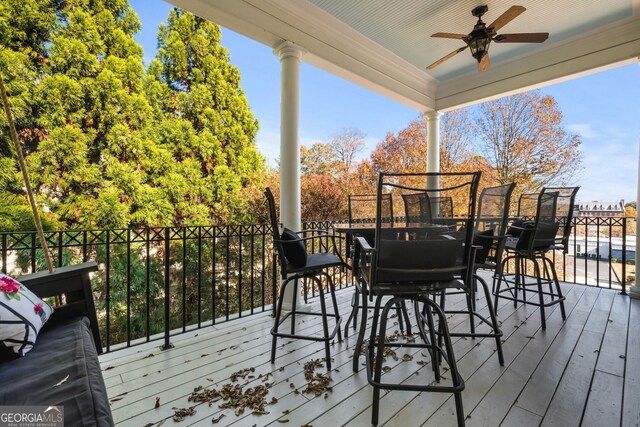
x=479 y=46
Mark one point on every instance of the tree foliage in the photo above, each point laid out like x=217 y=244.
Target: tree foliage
x=523 y=137
x=110 y=144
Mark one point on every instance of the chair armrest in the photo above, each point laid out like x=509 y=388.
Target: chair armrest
x=362 y=258
x=74 y=283
x=362 y=242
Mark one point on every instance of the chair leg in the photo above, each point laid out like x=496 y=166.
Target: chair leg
x=516 y=284
x=374 y=327
x=493 y=318
x=547 y=276
x=536 y=268
x=276 y=323
x=379 y=354
x=362 y=330
x=398 y=308
x=325 y=324
x=496 y=289
x=451 y=360
x=354 y=312
x=435 y=355
x=405 y=314
x=294 y=306
x=523 y=275
x=305 y=291
x=472 y=321
x=332 y=290
x=552 y=267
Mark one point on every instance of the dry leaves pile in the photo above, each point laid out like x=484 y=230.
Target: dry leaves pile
x=318 y=383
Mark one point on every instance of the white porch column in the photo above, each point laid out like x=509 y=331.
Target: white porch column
x=290 y=55
x=634 y=291
x=433 y=147
x=433 y=155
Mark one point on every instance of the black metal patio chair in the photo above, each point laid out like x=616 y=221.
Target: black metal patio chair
x=492 y=220
x=533 y=239
x=296 y=264
x=411 y=264
x=362 y=212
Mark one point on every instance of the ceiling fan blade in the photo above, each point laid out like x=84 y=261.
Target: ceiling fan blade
x=444 y=58
x=506 y=17
x=484 y=63
x=449 y=36
x=521 y=38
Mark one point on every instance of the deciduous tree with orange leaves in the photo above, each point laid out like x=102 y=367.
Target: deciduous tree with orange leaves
x=524 y=138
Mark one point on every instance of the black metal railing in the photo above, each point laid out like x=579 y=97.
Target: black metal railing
x=599 y=253
x=155 y=283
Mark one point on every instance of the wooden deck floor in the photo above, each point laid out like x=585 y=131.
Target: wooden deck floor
x=585 y=370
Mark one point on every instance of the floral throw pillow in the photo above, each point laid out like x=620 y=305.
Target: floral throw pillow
x=22 y=315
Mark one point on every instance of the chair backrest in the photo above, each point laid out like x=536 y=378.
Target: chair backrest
x=553 y=220
x=275 y=231
x=565 y=205
x=528 y=205
x=493 y=209
x=424 y=252
x=417 y=208
x=362 y=208
x=540 y=234
x=491 y=221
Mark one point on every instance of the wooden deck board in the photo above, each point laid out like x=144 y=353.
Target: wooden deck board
x=631 y=397
x=563 y=376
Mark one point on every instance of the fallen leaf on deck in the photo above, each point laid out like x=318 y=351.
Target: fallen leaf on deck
x=62 y=381
x=157 y=403
x=216 y=420
x=283 y=421
x=109 y=367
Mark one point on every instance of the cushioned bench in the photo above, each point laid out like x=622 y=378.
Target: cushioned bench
x=63 y=367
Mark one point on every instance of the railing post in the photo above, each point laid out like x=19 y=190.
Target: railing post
x=167 y=289
x=4 y=253
x=624 y=256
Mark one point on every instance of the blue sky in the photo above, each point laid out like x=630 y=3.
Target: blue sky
x=603 y=108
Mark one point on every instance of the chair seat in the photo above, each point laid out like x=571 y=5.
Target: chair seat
x=316 y=262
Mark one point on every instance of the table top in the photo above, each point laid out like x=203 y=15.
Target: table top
x=371 y=228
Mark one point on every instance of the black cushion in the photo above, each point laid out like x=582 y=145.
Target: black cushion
x=515 y=229
x=66 y=350
x=544 y=236
x=295 y=249
x=483 y=239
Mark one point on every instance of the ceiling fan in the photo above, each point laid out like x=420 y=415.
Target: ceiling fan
x=479 y=39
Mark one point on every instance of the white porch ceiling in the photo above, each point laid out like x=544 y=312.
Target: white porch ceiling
x=385 y=45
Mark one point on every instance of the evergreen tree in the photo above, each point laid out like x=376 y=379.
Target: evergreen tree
x=109 y=145
x=207 y=124
x=25 y=27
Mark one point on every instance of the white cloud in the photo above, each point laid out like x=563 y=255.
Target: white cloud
x=610 y=173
